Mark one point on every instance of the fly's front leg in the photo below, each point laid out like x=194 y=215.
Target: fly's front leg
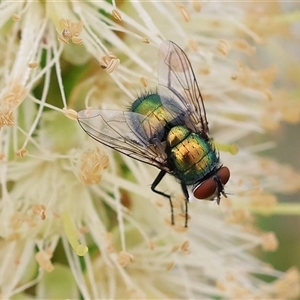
x=186 y=195
x=155 y=183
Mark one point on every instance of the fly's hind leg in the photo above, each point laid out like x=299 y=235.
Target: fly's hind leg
x=155 y=183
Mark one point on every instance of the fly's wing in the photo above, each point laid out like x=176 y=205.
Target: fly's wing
x=127 y=132
x=178 y=87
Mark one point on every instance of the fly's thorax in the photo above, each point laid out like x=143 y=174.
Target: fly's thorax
x=192 y=156
x=150 y=105
x=146 y=103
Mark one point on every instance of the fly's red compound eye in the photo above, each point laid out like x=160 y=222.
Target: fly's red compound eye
x=206 y=189
x=224 y=175
x=209 y=187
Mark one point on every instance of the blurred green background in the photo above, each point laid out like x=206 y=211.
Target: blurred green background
x=287 y=228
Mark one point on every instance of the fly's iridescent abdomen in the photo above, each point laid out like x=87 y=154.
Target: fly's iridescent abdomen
x=191 y=156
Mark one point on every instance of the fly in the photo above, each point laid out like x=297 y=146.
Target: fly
x=167 y=129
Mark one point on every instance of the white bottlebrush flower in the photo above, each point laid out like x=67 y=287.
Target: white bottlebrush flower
x=77 y=219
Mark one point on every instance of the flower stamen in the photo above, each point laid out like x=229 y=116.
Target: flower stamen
x=109 y=62
x=71 y=31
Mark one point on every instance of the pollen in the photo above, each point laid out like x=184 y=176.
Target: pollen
x=124 y=258
x=220 y=286
x=76 y=40
x=175 y=248
x=71 y=31
x=152 y=244
x=6 y=118
x=116 y=15
x=238 y=216
x=185 y=247
x=243 y=46
x=205 y=71
x=185 y=14
x=39 y=209
x=30 y=221
x=21 y=153
x=170 y=265
x=16 y=18
x=197 y=5
x=70 y=113
x=9 y=101
x=92 y=163
x=13 y=237
x=281 y=106
x=287 y=175
x=145 y=40
x=33 y=64
x=193 y=44
x=260 y=80
x=262 y=202
x=223 y=47
x=288 y=287
x=144 y=81
x=267 y=20
x=268 y=94
x=177 y=227
x=269 y=242
x=16 y=220
x=110 y=247
x=43 y=258
x=109 y=62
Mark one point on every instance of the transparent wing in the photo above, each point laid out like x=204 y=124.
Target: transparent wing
x=129 y=133
x=178 y=86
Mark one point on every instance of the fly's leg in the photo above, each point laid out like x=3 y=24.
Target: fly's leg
x=186 y=195
x=155 y=183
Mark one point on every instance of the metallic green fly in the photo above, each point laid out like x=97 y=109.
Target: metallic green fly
x=167 y=129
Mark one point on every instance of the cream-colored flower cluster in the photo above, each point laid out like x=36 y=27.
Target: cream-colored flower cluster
x=79 y=220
